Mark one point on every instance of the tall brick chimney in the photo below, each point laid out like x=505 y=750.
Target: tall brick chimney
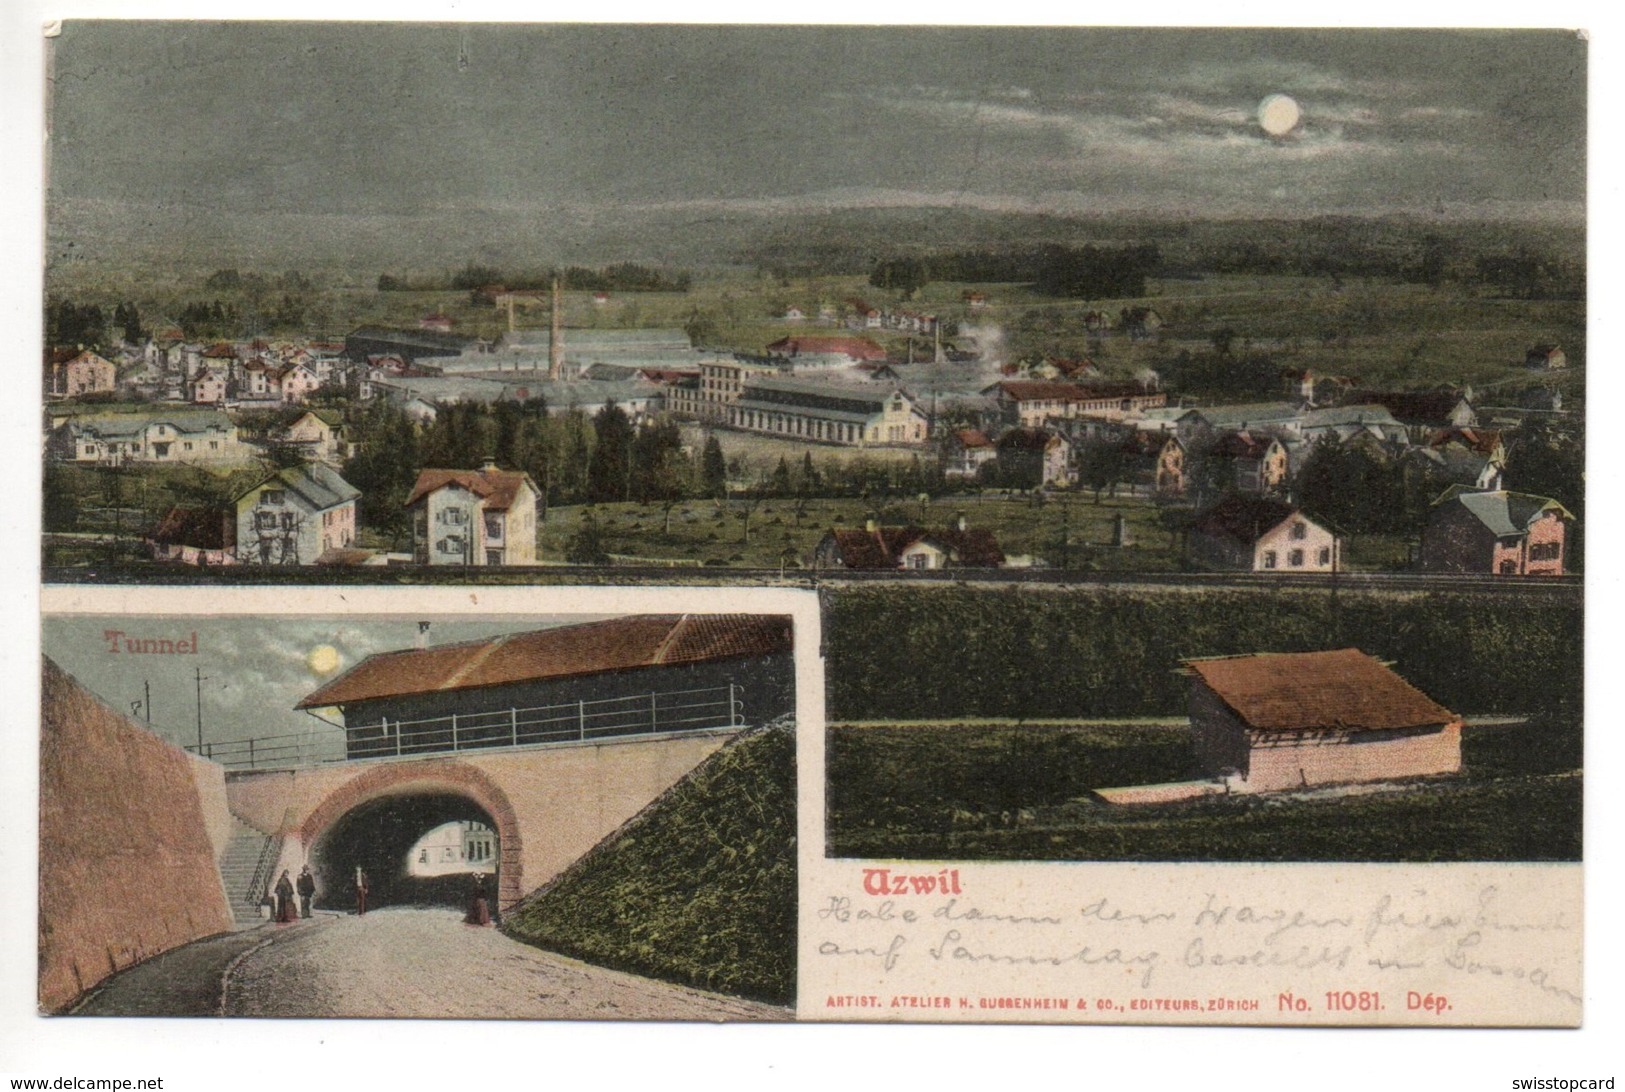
x=555 y=341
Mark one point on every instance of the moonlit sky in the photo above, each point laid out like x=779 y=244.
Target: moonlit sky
x=409 y=119
x=255 y=668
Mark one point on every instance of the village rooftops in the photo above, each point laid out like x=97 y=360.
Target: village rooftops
x=1036 y=390
x=1302 y=691
x=499 y=488
x=116 y=425
x=1506 y=514
x=618 y=644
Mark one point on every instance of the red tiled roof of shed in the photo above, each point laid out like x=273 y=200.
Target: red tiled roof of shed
x=1298 y=691
x=617 y=644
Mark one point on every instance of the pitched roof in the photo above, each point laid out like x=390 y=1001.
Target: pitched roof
x=972 y=438
x=1503 y=512
x=1244 y=517
x=498 y=487
x=1298 y=691
x=317 y=484
x=618 y=644
x=858 y=348
x=1241 y=445
x=883 y=547
x=1420 y=406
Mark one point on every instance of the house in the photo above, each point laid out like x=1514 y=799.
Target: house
x=209 y=388
x=1545 y=358
x=862 y=316
x=1260 y=534
x=295 y=516
x=1276 y=721
x=1247 y=463
x=966 y=451
x=317 y=435
x=1028 y=458
x=627 y=676
x=474 y=517
x=827 y=413
x=600 y=298
x=828 y=351
x=156 y=436
x=1347 y=423
x=910 y=548
x=1457 y=464
x=195 y=536
x=793 y=314
x=76 y=372
x=1500 y=532
x=1154 y=463
x=1032 y=402
x=1140 y=323
x=1199 y=428
x=976 y=301
x=1422 y=412
x=293 y=384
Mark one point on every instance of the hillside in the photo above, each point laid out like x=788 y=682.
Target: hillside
x=699 y=888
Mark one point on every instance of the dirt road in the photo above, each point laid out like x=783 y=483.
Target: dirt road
x=427 y=963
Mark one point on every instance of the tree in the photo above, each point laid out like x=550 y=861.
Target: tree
x=609 y=471
x=702 y=328
x=781 y=478
x=714 y=469
x=586 y=546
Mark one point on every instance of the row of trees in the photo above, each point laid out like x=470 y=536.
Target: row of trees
x=1087 y=272
x=620 y=277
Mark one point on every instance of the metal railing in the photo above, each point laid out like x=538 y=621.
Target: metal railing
x=273 y=752
x=649 y=713
x=652 y=713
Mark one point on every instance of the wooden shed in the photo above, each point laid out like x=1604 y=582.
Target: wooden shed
x=1291 y=720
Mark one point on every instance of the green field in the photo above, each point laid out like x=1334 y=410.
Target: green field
x=1021 y=793
x=786 y=531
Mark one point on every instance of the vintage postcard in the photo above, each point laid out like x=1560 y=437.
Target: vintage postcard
x=835 y=523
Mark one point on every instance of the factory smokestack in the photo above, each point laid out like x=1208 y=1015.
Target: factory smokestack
x=555 y=341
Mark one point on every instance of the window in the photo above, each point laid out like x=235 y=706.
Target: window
x=1269 y=559
x=273 y=496
x=1299 y=532
x=493 y=557
x=1325 y=555
x=1509 y=567
x=918 y=561
x=265 y=521
x=1295 y=559
x=1545 y=551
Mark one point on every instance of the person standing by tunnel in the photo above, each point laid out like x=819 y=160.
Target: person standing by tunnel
x=360 y=892
x=306 y=886
x=284 y=898
x=479 y=910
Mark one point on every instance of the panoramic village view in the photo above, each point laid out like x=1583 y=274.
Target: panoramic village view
x=1191 y=459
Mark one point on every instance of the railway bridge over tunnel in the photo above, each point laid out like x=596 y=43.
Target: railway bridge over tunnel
x=546 y=804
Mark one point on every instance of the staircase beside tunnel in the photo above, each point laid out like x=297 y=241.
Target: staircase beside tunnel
x=241 y=866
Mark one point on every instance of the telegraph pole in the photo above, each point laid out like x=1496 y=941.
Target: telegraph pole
x=198 y=673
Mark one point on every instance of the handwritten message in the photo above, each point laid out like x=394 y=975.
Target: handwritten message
x=987 y=942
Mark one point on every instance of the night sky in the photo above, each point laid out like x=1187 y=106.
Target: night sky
x=409 y=119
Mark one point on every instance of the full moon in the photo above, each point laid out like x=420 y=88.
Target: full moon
x=1278 y=114
x=322 y=660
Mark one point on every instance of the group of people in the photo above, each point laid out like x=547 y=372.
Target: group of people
x=479 y=909
x=285 y=889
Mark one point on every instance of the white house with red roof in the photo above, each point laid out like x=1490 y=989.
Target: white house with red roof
x=474 y=517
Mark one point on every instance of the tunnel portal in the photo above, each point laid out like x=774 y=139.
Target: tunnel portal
x=378 y=836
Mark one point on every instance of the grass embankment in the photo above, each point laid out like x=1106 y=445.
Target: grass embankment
x=700 y=888
x=1020 y=793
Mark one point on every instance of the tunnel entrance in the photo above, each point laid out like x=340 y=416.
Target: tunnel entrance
x=385 y=837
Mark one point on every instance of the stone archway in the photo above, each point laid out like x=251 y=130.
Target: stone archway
x=441 y=778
